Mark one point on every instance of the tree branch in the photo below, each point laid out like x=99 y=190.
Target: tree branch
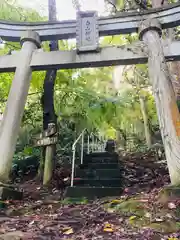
x=114 y=6
x=142 y=4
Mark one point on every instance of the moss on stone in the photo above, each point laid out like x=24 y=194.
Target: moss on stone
x=165 y=227
x=169 y=193
x=132 y=206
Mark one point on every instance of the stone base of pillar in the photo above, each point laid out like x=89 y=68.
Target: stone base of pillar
x=10 y=193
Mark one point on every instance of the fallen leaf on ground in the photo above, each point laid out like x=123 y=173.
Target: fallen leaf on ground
x=116 y=201
x=159 y=220
x=172 y=238
x=68 y=231
x=147 y=215
x=132 y=218
x=108 y=228
x=171 y=205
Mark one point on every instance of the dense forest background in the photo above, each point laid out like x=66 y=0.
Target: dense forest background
x=115 y=101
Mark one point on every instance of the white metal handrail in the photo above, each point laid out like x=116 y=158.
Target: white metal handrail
x=94 y=144
x=74 y=154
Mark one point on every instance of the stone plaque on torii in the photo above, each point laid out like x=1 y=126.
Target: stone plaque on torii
x=87 y=33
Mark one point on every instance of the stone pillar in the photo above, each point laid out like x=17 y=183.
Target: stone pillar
x=16 y=102
x=168 y=113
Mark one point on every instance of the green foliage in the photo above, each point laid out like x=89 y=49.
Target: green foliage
x=10 y=10
x=83 y=98
x=27 y=151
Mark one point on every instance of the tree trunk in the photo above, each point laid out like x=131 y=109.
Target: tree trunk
x=49 y=115
x=173 y=66
x=175 y=73
x=121 y=138
x=167 y=110
x=145 y=120
x=156 y=3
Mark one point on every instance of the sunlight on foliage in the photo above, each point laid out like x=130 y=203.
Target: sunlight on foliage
x=84 y=98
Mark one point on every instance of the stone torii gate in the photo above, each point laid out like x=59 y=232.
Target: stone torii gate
x=87 y=29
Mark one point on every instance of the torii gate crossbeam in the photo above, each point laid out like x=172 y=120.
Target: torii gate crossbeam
x=107 y=56
x=122 y=23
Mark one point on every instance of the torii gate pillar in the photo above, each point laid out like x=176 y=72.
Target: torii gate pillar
x=16 y=102
x=167 y=110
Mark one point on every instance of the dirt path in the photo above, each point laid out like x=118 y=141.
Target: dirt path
x=143 y=212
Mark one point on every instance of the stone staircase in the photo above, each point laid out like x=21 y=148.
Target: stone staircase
x=99 y=176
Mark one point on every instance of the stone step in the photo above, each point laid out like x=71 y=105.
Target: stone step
x=92 y=192
x=102 y=173
x=102 y=154
x=99 y=157
x=103 y=165
x=8 y=193
x=108 y=182
x=101 y=160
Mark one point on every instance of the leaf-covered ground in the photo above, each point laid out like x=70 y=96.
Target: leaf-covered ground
x=146 y=210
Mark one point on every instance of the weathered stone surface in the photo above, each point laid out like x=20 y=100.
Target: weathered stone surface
x=121 y=23
x=7 y=193
x=31 y=36
x=13 y=112
x=92 y=192
x=17 y=235
x=169 y=193
x=135 y=53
